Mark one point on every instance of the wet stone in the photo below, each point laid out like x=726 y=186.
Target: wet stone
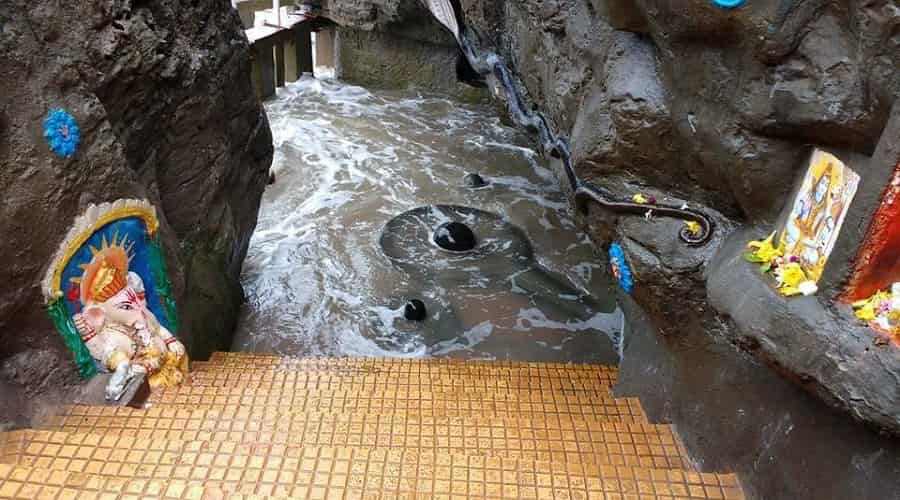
x=502 y=248
x=415 y=310
x=474 y=181
x=455 y=237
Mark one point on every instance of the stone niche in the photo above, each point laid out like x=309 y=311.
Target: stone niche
x=878 y=262
x=817 y=340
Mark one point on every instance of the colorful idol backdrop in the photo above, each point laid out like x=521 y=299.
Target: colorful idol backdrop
x=111 y=253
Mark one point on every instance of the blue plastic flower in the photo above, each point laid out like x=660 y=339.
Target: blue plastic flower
x=62 y=133
x=728 y=4
x=620 y=268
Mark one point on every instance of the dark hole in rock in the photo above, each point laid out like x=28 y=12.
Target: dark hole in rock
x=465 y=73
x=454 y=236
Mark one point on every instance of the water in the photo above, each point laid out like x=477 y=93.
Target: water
x=349 y=163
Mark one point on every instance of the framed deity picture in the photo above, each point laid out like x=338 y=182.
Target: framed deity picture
x=817 y=212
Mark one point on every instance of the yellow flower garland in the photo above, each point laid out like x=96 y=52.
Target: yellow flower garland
x=764 y=250
x=791 y=278
x=867 y=309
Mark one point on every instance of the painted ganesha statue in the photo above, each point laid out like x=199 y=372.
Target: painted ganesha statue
x=109 y=296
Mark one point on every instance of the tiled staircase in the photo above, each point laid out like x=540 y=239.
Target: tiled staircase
x=259 y=426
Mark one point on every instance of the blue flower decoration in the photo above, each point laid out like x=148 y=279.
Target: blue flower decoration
x=620 y=268
x=62 y=133
x=728 y=4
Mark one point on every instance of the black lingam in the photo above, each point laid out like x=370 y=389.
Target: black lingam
x=415 y=310
x=455 y=237
x=410 y=241
x=474 y=181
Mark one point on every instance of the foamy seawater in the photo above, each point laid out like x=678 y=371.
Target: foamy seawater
x=347 y=162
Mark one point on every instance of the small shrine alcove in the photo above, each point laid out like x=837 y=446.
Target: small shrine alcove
x=878 y=260
x=875 y=281
x=820 y=298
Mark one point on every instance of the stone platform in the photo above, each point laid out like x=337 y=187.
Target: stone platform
x=258 y=426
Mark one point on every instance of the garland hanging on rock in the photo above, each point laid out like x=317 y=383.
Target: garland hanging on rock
x=620 y=269
x=881 y=312
x=62 y=133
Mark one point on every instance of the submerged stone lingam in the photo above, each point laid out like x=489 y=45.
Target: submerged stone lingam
x=415 y=240
x=474 y=181
x=454 y=237
x=414 y=310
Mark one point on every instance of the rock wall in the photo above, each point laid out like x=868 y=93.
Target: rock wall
x=718 y=105
x=421 y=55
x=162 y=93
x=371 y=15
x=734 y=414
x=718 y=109
x=396 y=44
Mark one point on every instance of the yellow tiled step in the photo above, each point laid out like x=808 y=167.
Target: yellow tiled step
x=339 y=472
x=435 y=380
x=263 y=360
x=514 y=369
x=28 y=483
x=407 y=400
x=558 y=438
x=224 y=359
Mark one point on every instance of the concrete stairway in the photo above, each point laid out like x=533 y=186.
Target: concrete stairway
x=260 y=426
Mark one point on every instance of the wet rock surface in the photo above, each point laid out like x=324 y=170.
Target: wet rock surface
x=827 y=352
x=719 y=108
x=370 y=14
x=503 y=253
x=414 y=310
x=735 y=414
x=163 y=97
x=455 y=237
x=716 y=104
x=410 y=240
x=417 y=53
x=474 y=181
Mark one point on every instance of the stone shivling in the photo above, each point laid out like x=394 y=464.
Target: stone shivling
x=516 y=249
x=455 y=237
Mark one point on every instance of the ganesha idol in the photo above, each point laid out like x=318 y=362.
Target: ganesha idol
x=105 y=309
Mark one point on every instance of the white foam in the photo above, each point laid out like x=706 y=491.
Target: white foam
x=346 y=161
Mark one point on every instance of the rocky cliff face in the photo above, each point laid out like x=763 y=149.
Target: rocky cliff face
x=397 y=44
x=371 y=15
x=716 y=104
x=162 y=93
x=418 y=54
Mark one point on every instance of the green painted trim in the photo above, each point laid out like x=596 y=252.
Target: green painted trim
x=66 y=327
x=162 y=283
